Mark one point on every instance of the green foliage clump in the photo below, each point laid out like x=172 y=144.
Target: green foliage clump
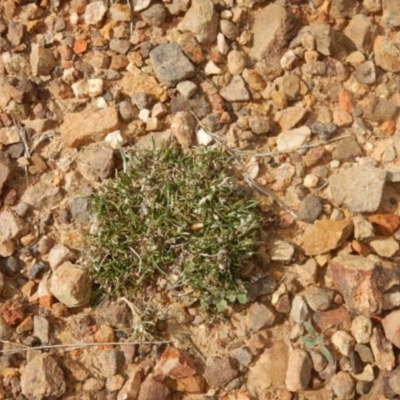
x=179 y=217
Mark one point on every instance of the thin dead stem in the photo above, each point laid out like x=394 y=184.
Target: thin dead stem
x=250 y=181
x=73 y=346
x=275 y=153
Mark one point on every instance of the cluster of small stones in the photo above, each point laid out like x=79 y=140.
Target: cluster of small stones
x=306 y=91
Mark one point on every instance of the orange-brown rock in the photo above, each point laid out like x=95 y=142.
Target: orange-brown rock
x=326 y=235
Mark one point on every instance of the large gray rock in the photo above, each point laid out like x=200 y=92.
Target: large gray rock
x=42 y=378
x=201 y=19
x=273 y=28
x=170 y=64
x=359 y=188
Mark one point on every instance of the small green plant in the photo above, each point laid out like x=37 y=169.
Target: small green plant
x=316 y=340
x=175 y=218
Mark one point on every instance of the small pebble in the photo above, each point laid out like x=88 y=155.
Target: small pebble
x=343 y=386
x=361 y=329
x=310 y=181
x=186 y=88
x=344 y=342
x=38 y=270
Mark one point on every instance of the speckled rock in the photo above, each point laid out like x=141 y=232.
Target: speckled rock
x=235 y=90
x=201 y=19
x=79 y=128
x=170 y=64
x=70 y=284
x=387 y=54
x=42 y=377
x=359 y=187
x=220 y=371
x=273 y=28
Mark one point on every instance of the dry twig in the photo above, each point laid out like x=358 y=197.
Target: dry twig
x=72 y=346
x=250 y=181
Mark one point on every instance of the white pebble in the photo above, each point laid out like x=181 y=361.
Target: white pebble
x=144 y=114
x=222 y=44
x=80 y=89
x=288 y=60
x=68 y=75
x=95 y=87
x=73 y=19
x=361 y=329
x=101 y=103
x=310 y=181
x=115 y=140
x=212 y=69
x=186 y=88
x=227 y=14
x=344 y=342
x=334 y=164
x=203 y=138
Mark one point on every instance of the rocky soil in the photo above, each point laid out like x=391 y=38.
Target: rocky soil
x=306 y=92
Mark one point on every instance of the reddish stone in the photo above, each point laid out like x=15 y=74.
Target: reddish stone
x=118 y=62
x=361 y=248
x=216 y=56
x=326 y=235
x=346 y=101
x=388 y=127
x=332 y=320
x=356 y=278
x=12 y=311
x=46 y=301
x=283 y=304
x=313 y=156
x=151 y=389
x=191 y=47
x=67 y=64
x=175 y=364
x=191 y=384
x=217 y=103
x=385 y=224
x=80 y=46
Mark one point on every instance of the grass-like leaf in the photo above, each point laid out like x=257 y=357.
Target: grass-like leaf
x=180 y=217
